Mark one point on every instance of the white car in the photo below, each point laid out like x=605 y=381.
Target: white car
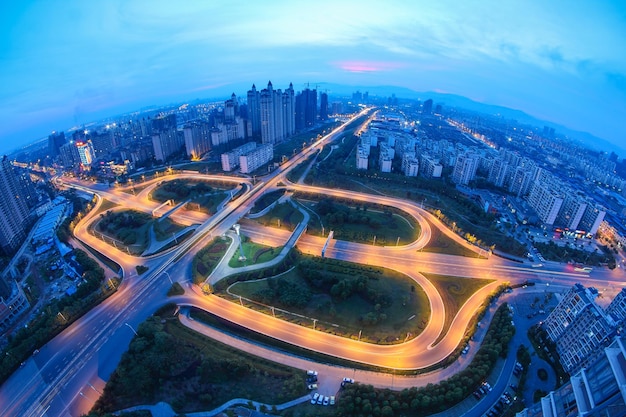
x=326 y=400
x=332 y=400
x=312 y=386
x=315 y=397
x=348 y=380
x=311 y=373
x=320 y=399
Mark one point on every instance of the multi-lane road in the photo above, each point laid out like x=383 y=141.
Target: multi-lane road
x=68 y=375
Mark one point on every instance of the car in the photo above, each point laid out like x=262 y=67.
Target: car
x=348 y=380
x=311 y=379
x=326 y=400
x=311 y=373
x=315 y=397
x=320 y=399
x=332 y=400
x=465 y=350
x=312 y=386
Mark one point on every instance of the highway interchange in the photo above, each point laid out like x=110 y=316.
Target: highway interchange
x=68 y=374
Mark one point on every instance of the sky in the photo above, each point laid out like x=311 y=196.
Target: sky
x=67 y=62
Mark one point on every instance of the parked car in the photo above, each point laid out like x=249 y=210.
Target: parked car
x=332 y=400
x=312 y=386
x=326 y=400
x=315 y=397
x=348 y=380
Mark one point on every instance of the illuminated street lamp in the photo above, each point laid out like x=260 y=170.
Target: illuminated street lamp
x=131 y=328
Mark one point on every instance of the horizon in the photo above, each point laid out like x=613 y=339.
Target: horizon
x=89 y=62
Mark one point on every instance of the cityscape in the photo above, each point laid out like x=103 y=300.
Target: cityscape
x=364 y=239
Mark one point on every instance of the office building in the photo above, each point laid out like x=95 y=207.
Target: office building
x=465 y=168
x=256 y=158
x=13 y=209
x=85 y=153
x=197 y=136
x=230 y=160
x=579 y=328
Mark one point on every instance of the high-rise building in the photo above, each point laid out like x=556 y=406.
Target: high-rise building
x=306 y=109
x=277 y=110
x=545 y=200
x=230 y=160
x=197 y=138
x=323 y=106
x=70 y=157
x=465 y=168
x=85 y=153
x=592 y=219
x=165 y=138
x=254 y=111
x=431 y=167
x=410 y=164
x=337 y=107
x=617 y=308
x=13 y=209
x=596 y=390
x=571 y=212
x=55 y=141
x=521 y=180
x=362 y=156
x=385 y=157
x=231 y=109
x=579 y=328
x=427 y=108
x=256 y=158
x=499 y=173
x=103 y=142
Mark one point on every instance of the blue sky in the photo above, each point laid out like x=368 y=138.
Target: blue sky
x=64 y=62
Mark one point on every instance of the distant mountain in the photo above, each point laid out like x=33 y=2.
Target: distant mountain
x=452 y=100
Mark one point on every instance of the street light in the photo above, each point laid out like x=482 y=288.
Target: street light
x=131 y=328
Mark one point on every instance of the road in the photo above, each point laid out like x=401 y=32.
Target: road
x=65 y=378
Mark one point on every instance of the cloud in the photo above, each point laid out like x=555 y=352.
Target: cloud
x=367 y=66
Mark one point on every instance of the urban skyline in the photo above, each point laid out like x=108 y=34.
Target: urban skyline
x=329 y=208
x=89 y=62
